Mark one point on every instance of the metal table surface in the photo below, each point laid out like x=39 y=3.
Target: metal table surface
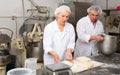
x=111 y=66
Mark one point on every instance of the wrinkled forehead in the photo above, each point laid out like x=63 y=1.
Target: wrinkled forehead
x=94 y=12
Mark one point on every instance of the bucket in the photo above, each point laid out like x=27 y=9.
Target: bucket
x=109 y=45
x=20 y=71
x=31 y=63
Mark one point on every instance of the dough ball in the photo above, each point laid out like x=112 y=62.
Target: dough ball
x=84 y=62
x=83 y=59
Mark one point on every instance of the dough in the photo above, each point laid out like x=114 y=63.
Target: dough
x=83 y=59
x=84 y=62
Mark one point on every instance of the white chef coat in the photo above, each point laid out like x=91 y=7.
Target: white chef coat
x=85 y=28
x=57 y=41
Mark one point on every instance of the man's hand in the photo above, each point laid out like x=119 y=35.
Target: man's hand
x=96 y=37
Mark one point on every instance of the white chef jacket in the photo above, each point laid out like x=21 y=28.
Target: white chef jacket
x=57 y=41
x=85 y=28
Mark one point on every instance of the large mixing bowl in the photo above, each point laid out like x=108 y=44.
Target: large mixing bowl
x=109 y=45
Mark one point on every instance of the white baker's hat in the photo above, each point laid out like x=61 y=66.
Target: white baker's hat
x=62 y=9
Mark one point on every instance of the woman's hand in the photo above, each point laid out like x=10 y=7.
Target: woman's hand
x=69 y=55
x=55 y=56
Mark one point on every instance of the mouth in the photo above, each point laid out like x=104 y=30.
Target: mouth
x=94 y=20
x=64 y=22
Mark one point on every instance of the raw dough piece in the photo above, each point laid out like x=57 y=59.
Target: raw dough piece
x=84 y=62
x=83 y=59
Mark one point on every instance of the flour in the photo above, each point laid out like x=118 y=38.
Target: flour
x=110 y=65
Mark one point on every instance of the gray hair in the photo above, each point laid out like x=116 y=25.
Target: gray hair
x=62 y=9
x=95 y=8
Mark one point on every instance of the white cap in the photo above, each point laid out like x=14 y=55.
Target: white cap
x=95 y=8
x=62 y=9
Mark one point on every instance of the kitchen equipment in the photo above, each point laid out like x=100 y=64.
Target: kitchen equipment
x=20 y=71
x=36 y=50
x=4 y=57
x=108 y=46
x=31 y=63
x=118 y=40
x=5 y=46
x=58 y=69
x=32 y=35
x=5 y=39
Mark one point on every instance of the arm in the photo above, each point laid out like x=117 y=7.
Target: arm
x=47 y=39
x=47 y=43
x=69 y=54
x=71 y=43
x=55 y=56
x=98 y=37
x=83 y=36
x=81 y=31
x=70 y=47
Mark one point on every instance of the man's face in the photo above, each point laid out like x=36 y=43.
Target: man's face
x=93 y=15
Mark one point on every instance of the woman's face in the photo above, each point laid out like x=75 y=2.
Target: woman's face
x=63 y=17
x=93 y=16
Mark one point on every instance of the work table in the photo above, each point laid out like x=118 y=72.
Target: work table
x=111 y=66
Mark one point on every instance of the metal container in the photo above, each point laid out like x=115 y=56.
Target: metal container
x=36 y=50
x=20 y=71
x=4 y=57
x=108 y=46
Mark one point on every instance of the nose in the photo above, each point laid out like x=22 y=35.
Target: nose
x=94 y=17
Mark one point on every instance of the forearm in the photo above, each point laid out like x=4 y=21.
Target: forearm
x=55 y=56
x=69 y=55
x=96 y=37
x=93 y=37
x=52 y=53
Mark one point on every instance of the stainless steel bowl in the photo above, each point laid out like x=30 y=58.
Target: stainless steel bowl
x=109 y=45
